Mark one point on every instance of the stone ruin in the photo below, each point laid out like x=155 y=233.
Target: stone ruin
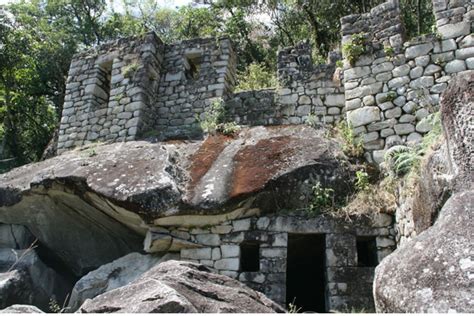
x=131 y=88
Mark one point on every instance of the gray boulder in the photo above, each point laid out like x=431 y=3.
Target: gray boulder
x=21 y=309
x=93 y=205
x=113 y=275
x=15 y=236
x=39 y=283
x=15 y=287
x=433 y=272
x=181 y=287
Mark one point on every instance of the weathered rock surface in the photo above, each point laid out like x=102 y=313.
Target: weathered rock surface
x=15 y=236
x=180 y=287
x=433 y=272
x=113 y=275
x=106 y=197
x=21 y=309
x=457 y=112
x=31 y=281
x=15 y=287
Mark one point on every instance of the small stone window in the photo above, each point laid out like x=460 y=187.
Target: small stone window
x=249 y=256
x=105 y=77
x=366 y=251
x=192 y=65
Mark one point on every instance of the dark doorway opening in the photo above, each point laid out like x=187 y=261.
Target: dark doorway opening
x=366 y=251
x=249 y=256
x=305 y=274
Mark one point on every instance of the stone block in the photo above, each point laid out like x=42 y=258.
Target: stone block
x=454 y=30
x=231 y=264
x=398 y=82
x=229 y=251
x=356 y=72
x=241 y=225
x=404 y=129
x=455 y=66
x=401 y=71
x=363 y=116
x=418 y=50
x=273 y=252
x=197 y=254
x=221 y=229
x=208 y=239
x=465 y=53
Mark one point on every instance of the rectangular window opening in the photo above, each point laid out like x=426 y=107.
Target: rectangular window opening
x=250 y=256
x=105 y=77
x=192 y=65
x=366 y=251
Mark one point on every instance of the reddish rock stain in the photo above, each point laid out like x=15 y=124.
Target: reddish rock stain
x=255 y=165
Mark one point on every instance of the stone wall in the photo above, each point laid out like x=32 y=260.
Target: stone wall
x=110 y=92
x=348 y=285
x=395 y=85
x=305 y=92
x=195 y=72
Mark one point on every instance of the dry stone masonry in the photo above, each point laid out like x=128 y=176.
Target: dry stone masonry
x=395 y=85
x=257 y=251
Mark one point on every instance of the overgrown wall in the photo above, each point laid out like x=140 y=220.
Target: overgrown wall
x=305 y=92
x=391 y=89
x=183 y=98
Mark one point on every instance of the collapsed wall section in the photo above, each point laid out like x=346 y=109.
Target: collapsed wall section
x=305 y=93
x=110 y=92
x=394 y=86
x=195 y=72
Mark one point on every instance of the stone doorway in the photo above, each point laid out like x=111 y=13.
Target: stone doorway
x=305 y=274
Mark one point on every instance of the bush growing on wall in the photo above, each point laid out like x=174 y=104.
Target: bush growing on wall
x=255 y=77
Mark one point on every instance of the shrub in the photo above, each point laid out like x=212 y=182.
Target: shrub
x=362 y=180
x=352 y=146
x=401 y=160
x=130 y=70
x=214 y=120
x=355 y=48
x=255 y=77
x=389 y=50
x=322 y=199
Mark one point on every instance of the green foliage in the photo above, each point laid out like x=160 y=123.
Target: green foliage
x=391 y=95
x=339 y=64
x=215 y=121
x=312 y=120
x=130 y=70
x=389 y=50
x=362 y=180
x=255 y=77
x=355 y=48
x=321 y=199
x=402 y=160
x=352 y=146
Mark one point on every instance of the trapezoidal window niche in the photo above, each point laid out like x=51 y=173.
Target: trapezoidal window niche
x=249 y=256
x=366 y=251
x=101 y=89
x=192 y=64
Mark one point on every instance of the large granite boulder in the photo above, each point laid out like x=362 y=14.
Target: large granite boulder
x=181 y=287
x=433 y=272
x=15 y=237
x=108 y=196
x=21 y=309
x=113 y=275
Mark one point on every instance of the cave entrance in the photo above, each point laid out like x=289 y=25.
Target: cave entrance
x=305 y=274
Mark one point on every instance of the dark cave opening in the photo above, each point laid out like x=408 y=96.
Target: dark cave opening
x=305 y=274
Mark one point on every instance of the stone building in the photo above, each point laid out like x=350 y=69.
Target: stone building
x=131 y=88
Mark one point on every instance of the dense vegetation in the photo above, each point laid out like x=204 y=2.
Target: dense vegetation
x=39 y=37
